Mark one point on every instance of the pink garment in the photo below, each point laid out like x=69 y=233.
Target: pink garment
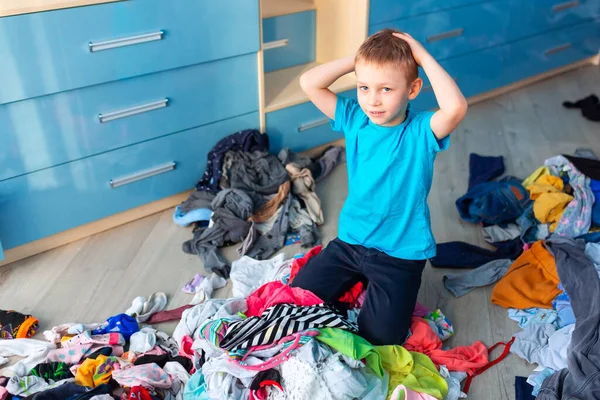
x=410 y=394
x=3 y=393
x=421 y=310
x=156 y=351
x=147 y=375
x=462 y=358
x=361 y=299
x=276 y=292
x=186 y=347
x=73 y=355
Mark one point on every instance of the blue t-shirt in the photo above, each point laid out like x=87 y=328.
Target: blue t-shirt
x=390 y=170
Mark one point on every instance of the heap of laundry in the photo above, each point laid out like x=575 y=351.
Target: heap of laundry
x=270 y=341
x=546 y=266
x=260 y=200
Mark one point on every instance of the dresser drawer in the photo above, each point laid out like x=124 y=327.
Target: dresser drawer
x=389 y=10
x=52 y=200
x=457 y=31
x=49 y=130
x=289 y=40
x=474 y=73
x=301 y=127
x=552 y=50
x=480 y=71
x=60 y=50
x=531 y=17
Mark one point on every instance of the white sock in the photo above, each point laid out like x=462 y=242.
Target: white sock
x=35 y=351
x=207 y=287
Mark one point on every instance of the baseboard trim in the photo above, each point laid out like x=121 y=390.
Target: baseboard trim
x=80 y=232
x=531 y=80
x=92 y=228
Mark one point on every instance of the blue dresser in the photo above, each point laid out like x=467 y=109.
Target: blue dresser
x=289 y=40
x=487 y=45
x=108 y=107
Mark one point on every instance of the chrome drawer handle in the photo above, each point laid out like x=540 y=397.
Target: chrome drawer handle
x=126 y=41
x=142 y=175
x=446 y=35
x=429 y=88
x=564 y=6
x=557 y=49
x=133 y=110
x=313 y=124
x=275 y=44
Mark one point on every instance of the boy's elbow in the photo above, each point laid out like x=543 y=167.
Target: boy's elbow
x=459 y=111
x=304 y=82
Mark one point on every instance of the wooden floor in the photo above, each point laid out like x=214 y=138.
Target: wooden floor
x=94 y=278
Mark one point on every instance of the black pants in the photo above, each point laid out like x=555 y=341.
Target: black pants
x=393 y=285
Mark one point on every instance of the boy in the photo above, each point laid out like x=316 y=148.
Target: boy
x=384 y=233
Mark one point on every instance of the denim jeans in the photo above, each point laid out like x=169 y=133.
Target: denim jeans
x=493 y=202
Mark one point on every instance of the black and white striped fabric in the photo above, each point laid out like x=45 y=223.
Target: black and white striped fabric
x=280 y=321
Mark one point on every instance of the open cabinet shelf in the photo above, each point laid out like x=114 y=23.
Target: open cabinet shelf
x=282 y=87
x=340 y=26
x=274 y=8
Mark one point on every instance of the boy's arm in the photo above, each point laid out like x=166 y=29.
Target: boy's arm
x=315 y=83
x=452 y=103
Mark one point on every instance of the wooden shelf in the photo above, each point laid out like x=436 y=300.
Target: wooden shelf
x=282 y=87
x=16 y=7
x=273 y=8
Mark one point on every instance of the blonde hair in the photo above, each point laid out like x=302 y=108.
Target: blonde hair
x=383 y=47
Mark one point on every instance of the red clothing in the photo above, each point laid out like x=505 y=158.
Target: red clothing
x=139 y=393
x=351 y=296
x=301 y=262
x=277 y=292
x=462 y=358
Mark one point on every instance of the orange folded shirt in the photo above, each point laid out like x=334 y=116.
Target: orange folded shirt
x=532 y=281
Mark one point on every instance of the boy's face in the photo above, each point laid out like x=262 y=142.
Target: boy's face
x=384 y=91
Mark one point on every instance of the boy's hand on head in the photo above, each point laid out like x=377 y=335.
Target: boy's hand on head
x=451 y=101
x=417 y=48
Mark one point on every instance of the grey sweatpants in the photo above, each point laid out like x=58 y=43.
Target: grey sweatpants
x=462 y=283
x=577 y=273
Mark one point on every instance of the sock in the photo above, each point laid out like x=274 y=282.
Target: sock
x=143 y=341
x=207 y=287
x=192 y=285
x=590 y=107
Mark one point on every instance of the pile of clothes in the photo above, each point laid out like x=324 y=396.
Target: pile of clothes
x=270 y=341
x=255 y=198
x=546 y=266
x=552 y=291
